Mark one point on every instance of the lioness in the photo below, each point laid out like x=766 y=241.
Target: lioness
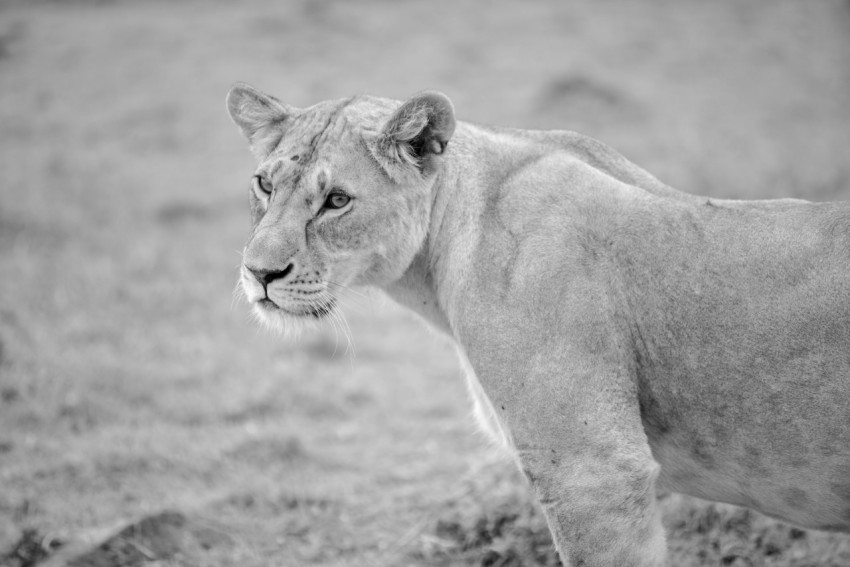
x=619 y=336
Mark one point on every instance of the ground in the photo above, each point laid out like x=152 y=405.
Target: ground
x=135 y=396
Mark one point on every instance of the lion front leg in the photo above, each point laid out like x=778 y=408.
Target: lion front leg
x=581 y=443
x=600 y=505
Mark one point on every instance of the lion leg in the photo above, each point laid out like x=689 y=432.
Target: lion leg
x=581 y=443
x=602 y=511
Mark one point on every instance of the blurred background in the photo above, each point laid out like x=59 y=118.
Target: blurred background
x=134 y=392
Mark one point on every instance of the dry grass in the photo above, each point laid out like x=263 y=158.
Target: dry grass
x=128 y=384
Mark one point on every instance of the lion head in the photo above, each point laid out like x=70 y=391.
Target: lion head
x=341 y=195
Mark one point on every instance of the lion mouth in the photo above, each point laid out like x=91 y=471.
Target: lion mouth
x=317 y=311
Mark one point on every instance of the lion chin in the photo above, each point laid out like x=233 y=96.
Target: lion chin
x=288 y=322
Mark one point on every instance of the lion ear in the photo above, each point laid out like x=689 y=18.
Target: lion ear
x=259 y=116
x=415 y=136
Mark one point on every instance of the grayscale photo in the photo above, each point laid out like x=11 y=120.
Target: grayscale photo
x=373 y=283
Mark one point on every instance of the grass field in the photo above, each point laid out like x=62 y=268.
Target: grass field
x=129 y=383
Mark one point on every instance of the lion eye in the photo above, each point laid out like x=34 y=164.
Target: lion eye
x=337 y=201
x=263 y=185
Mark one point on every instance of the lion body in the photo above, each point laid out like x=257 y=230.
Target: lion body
x=619 y=336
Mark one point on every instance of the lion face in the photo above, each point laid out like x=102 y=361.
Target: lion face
x=341 y=196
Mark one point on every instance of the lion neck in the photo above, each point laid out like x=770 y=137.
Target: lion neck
x=433 y=283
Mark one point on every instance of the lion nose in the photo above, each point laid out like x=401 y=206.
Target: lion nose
x=266 y=277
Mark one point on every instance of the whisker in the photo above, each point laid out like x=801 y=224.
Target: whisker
x=350 y=297
x=338 y=318
x=237 y=295
x=356 y=303
x=351 y=349
x=349 y=289
x=352 y=304
x=327 y=304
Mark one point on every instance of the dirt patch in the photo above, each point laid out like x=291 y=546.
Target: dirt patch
x=506 y=537
x=9 y=228
x=495 y=522
x=181 y=213
x=269 y=450
x=499 y=524
x=9 y=394
x=254 y=411
x=150 y=539
x=573 y=88
x=581 y=100
x=31 y=549
x=168 y=536
x=702 y=535
x=8 y=38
